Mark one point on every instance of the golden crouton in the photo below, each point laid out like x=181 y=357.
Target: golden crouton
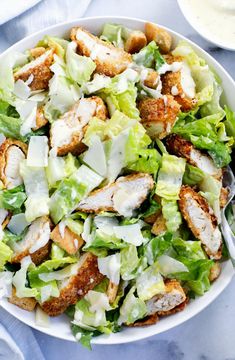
x=168 y=301
x=70 y=242
x=40 y=119
x=39 y=69
x=12 y=152
x=201 y=220
x=87 y=277
x=215 y=271
x=159 y=35
x=181 y=147
x=109 y=60
x=74 y=123
x=37 y=51
x=36 y=231
x=158 y=116
x=24 y=303
x=159 y=225
x=148 y=320
x=112 y=292
x=135 y=42
x=104 y=199
x=224 y=193
x=170 y=58
x=151 y=79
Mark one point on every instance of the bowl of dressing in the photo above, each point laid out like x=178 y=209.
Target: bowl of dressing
x=212 y=19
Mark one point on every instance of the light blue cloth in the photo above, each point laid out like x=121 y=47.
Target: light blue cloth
x=17 y=341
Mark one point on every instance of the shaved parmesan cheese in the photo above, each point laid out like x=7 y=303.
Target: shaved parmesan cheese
x=41 y=318
x=3 y=215
x=125 y=201
x=98 y=301
x=95 y=156
x=86 y=176
x=168 y=265
x=62 y=226
x=17 y=223
x=187 y=82
x=5 y=284
x=37 y=155
x=116 y=159
x=21 y=89
x=2 y=138
x=129 y=233
x=99 y=82
x=29 y=122
x=43 y=238
x=110 y=266
x=105 y=224
x=47 y=291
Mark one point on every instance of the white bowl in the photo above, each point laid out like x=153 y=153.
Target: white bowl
x=60 y=325
x=192 y=19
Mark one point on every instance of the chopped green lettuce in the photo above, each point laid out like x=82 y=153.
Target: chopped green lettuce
x=149 y=56
x=5 y=254
x=113 y=34
x=12 y=199
x=132 y=309
x=150 y=282
x=171 y=214
x=20 y=280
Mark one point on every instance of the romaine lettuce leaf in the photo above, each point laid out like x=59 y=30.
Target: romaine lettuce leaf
x=150 y=282
x=20 y=280
x=157 y=246
x=192 y=175
x=71 y=191
x=5 y=254
x=129 y=262
x=113 y=34
x=171 y=214
x=149 y=56
x=12 y=199
x=132 y=309
x=170 y=177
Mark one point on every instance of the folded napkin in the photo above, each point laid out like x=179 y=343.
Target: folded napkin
x=12 y=8
x=45 y=13
x=17 y=340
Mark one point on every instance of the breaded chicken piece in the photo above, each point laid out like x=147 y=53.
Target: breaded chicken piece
x=67 y=239
x=24 y=303
x=171 y=85
x=167 y=301
x=135 y=42
x=123 y=196
x=67 y=132
x=35 y=243
x=201 y=220
x=215 y=271
x=40 y=119
x=12 y=152
x=149 y=320
x=181 y=147
x=159 y=225
x=112 y=292
x=39 y=69
x=76 y=287
x=109 y=60
x=159 y=35
x=224 y=193
x=158 y=116
x=170 y=58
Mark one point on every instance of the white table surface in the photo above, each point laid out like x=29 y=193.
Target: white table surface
x=211 y=334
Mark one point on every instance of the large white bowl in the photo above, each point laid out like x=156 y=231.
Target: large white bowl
x=60 y=325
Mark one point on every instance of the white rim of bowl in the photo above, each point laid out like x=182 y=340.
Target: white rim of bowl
x=196 y=26
x=105 y=340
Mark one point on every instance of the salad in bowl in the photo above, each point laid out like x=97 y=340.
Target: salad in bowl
x=113 y=150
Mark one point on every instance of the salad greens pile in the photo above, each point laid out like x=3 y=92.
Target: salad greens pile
x=41 y=189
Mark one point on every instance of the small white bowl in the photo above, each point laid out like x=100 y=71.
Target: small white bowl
x=192 y=19
x=60 y=325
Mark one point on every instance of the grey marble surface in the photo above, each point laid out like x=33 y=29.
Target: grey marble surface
x=211 y=334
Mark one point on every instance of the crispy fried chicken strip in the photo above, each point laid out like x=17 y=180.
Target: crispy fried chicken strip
x=109 y=60
x=23 y=303
x=67 y=132
x=40 y=119
x=123 y=196
x=35 y=243
x=165 y=303
x=177 y=145
x=12 y=152
x=39 y=69
x=158 y=115
x=76 y=287
x=67 y=239
x=201 y=220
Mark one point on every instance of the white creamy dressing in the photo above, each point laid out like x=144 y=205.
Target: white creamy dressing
x=216 y=19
